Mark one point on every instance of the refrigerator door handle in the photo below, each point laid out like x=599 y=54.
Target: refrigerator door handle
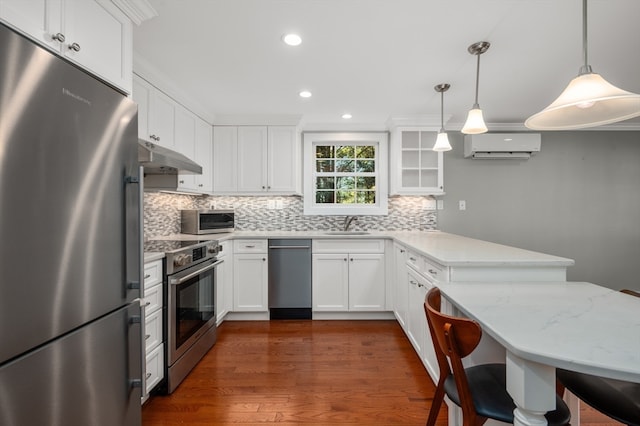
x=134 y=270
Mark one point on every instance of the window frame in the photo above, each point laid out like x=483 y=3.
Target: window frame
x=379 y=139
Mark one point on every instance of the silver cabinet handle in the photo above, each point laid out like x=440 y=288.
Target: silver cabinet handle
x=146 y=336
x=345 y=259
x=432 y=272
x=75 y=47
x=264 y=259
x=148 y=375
x=250 y=246
x=288 y=247
x=200 y=185
x=147 y=276
x=413 y=282
x=59 y=37
x=413 y=259
x=401 y=250
x=155 y=138
x=147 y=304
x=181 y=182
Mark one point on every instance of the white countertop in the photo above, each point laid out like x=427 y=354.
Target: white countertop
x=444 y=248
x=572 y=325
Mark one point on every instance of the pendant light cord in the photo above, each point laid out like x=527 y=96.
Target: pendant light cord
x=586 y=68
x=442 y=111
x=476 y=105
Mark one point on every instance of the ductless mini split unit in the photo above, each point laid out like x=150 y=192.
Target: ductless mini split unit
x=501 y=146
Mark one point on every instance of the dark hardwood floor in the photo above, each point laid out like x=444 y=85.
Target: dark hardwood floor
x=306 y=373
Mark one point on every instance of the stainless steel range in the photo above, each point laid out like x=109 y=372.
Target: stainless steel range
x=190 y=324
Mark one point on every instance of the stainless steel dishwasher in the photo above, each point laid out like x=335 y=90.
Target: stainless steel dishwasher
x=289 y=279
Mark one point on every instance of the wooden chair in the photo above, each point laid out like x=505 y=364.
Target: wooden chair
x=479 y=390
x=617 y=399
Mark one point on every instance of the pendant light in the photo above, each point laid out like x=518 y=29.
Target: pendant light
x=589 y=100
x=475 y=122
x=442 y=141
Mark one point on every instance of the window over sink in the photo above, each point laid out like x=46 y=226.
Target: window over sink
x=345 y=173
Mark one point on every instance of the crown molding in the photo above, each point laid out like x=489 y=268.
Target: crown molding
x=137 y=10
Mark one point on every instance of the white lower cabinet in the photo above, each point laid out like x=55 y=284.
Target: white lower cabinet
x=417 y=327
x=152 y=335
x=401 y=300
x=224 y=281
x=348 y=275
x=250 y=276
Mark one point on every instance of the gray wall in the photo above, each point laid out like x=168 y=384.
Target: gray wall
x=578 y=198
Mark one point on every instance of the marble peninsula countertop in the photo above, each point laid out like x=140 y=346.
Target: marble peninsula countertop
x=442 y=247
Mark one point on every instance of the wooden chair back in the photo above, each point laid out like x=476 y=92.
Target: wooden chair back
x=453 y=338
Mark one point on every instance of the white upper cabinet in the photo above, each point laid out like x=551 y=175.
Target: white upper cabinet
x=415 y=168
x=156 y=114
x=95 y=34
x=203 y=155
x=225 y=159
x=256 y=160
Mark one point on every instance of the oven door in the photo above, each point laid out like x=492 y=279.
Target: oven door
x=191 y=307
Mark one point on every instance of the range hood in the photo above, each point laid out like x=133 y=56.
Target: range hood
x=162 y=166
x=159 y=160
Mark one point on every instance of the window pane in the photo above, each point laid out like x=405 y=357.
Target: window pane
x=345 y=197
x=346 y=183
x=365 y=197
x=324 y=166
x=345 y=166
x=324 y=151
x=366 y=166
x=325 y=183
x=366 y=182
x=367 y=151
x=345 y=152
x=325 y=197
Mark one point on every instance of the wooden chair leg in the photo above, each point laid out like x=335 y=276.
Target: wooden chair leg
x=436 y=404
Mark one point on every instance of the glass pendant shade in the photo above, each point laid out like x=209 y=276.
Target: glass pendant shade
x=589 y=100
x=475 y=122
x=442 y=142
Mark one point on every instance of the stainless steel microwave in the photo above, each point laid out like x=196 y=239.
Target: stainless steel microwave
x=206 y=221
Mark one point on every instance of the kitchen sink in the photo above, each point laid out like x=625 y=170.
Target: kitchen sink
x=346 y=233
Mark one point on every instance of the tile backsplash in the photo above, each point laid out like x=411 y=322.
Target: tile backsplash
x=162 y=214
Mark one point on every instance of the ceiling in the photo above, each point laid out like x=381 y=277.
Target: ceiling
x=378 y=59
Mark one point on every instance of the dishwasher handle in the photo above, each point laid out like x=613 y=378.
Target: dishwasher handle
x=289 y=247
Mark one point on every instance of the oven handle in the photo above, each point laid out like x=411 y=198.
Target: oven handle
x=178 y=281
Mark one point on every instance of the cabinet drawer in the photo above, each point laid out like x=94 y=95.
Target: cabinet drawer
x=152 y=300
x=152 y=273
x=348 y=245
x=435 y=271
x=154 y=367
x=152 y=330
x=416 y=261
x=250 y=246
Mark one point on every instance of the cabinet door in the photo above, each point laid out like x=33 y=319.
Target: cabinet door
x=225 y=159
x=252 y=154
x=366 y=282
x=417 y=318
x=402 y=296
x=161 y=119
x=330 y=278
x=204 y=156
x=283 y=160
x=140 y=94
x=417 y=169
x=250 y=282
x=39 y=19
x=99 y=37
x=184 y=143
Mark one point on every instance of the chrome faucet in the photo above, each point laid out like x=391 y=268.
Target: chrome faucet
x=347 y=222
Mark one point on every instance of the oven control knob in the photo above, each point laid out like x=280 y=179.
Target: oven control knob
x=213 y=249
x=181 y=260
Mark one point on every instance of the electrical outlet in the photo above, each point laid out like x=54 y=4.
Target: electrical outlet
x=271 y=204
x=212 y=206
x=429 y=204
x=440 y=204
x=462 y=205
x=279 y=204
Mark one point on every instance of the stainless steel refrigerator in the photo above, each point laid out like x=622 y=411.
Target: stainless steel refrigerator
x=70 y=244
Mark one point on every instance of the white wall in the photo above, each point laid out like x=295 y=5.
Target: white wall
x=578 y=198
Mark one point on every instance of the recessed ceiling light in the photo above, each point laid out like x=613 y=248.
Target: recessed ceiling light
x=305 y=94
x=346 y=116
x=292 y=39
